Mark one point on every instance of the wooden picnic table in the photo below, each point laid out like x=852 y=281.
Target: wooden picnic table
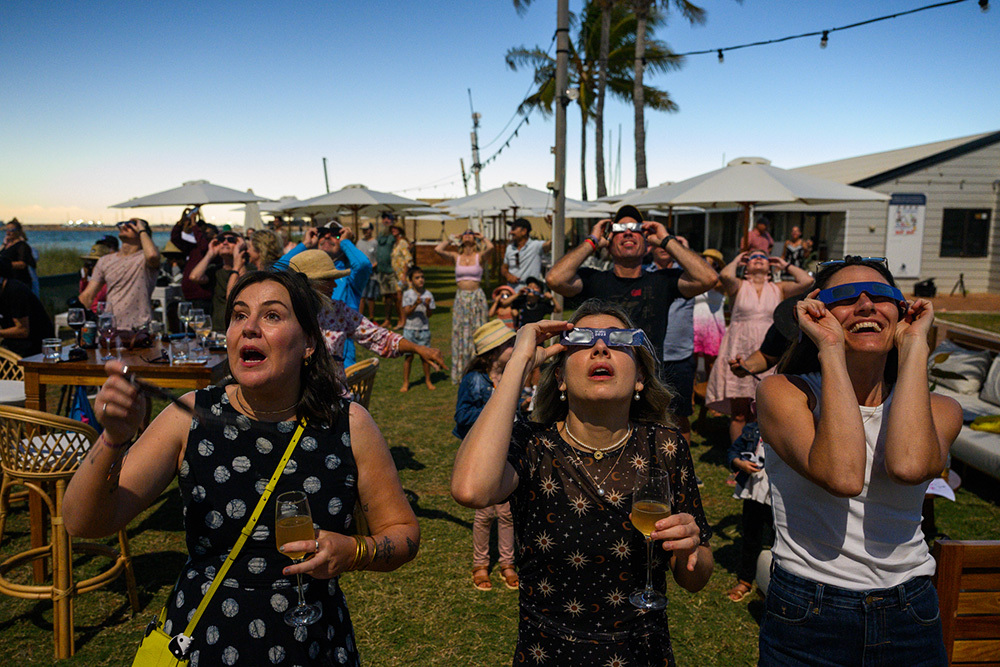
x=39 y=374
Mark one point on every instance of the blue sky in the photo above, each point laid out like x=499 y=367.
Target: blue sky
x=103 y=101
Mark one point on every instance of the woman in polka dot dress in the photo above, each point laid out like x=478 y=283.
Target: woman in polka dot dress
x=224 y=457
x=599 y=418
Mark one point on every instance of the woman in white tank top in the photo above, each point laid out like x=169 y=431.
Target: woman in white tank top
x=856 y=436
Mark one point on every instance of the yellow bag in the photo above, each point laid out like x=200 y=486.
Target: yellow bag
x=157 y=647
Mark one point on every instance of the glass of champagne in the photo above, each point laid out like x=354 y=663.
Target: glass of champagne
x=293 y=523
x=195 y=320
x=650 y=503
x=106 y=330
x=75 y=319
x=184 y=309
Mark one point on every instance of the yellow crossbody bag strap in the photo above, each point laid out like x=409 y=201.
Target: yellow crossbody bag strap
x=247 y=530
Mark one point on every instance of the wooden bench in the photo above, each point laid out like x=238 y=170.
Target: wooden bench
x=968 y=588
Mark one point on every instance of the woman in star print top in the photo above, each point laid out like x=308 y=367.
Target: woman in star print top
x=224 y=456
x=600 y=416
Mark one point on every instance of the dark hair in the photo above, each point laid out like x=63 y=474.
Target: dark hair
x=532 y=280
x=319 y=386
x=521 y=222
x=803 y=356
x=412 y=271
x=18 y=228
x=654 y=400
x=482 y=363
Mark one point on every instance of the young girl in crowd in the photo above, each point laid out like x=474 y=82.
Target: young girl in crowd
x=502 y=308
x=493 y=342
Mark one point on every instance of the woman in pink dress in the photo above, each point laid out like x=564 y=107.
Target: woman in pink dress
x=754 y=298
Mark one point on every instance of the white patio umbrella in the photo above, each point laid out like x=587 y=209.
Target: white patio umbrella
x=355 y=198
x=193 y=193
x=746 y=181
x=509 y=197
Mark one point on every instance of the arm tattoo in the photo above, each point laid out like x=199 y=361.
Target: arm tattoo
x=411 y=547
x=386 y=550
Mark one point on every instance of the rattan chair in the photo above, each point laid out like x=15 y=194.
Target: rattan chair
x=41 y=452
x=11 y=378
x=361 y=380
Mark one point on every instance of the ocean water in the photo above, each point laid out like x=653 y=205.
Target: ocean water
x=80 y=239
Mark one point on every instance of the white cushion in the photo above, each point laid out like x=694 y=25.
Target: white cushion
x=12 y=392
x=963 y=371
x=972 y=405
x=991 y=386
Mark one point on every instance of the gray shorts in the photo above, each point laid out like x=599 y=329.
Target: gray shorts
x=417 y=336
x=372 y=290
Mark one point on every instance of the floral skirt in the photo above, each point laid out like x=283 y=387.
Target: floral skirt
x=467 y=315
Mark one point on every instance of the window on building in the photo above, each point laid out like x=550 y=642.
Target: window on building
x=965 y=232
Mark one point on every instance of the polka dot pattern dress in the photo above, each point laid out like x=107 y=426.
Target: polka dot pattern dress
x=579 y=558
x=226 y=467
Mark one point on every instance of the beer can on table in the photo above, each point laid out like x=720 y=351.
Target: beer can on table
x=89 y=334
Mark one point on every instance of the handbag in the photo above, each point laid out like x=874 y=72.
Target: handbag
x=157 y=648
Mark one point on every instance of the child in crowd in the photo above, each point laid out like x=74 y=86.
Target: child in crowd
x=533 y=303
x=502 y=308
x=494 y=342
x=417 y=306
x=746 y=458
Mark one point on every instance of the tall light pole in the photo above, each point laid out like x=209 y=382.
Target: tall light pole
x=562 y=80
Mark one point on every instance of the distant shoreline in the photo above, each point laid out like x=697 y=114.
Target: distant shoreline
x=108 y=229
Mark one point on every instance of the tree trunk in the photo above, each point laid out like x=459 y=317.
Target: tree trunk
x=638 y=97
x=583 y=154
x=602 y=83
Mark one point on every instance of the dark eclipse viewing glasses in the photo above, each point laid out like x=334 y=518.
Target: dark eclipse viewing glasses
x=229 y=238
x=586 y=337
x=848 y=293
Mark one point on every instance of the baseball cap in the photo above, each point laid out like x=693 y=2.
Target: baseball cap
x=628 y=211
x=521 y=222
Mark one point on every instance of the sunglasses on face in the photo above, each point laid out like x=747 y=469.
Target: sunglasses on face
x=229 y=238
x=848 y=293
x=587 y=337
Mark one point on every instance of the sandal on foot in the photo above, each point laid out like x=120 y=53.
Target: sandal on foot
x=739 y=591
x=510 y=579
x=481 y=579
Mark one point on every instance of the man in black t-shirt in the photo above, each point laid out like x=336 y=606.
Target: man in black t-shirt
x=533 y=304
x=23 y=320
x=645 y=296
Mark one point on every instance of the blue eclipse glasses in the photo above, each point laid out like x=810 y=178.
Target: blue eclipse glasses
x=849 y=292
x=586 y=337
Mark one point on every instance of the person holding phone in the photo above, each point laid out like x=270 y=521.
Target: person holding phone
x=214 y=271
x=754 y=298
x=130 y=274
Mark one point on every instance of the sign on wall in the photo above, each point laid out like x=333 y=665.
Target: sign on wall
x=904 y=234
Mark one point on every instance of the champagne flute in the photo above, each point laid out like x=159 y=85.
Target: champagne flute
x=106 y=330
x=195 y=320
x=184 y=309
x=76 y=318
x=293 y=523
x=650 y=503
x=204 y=330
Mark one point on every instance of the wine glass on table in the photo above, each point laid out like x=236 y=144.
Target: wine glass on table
x=293 y=523
x=204 y=330
x=195 y=320
x=184 y=309
x=650 y=503
x=107 y=330
x=75 y=319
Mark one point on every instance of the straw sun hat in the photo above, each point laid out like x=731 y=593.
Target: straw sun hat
x=714 y=254
x=317 y=265
x=97 y=251
x=491 y=335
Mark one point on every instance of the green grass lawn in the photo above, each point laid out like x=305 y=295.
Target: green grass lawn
x=987 y=321
x=427 y=613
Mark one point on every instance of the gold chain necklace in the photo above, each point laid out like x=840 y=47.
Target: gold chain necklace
x=582 y=467
x=597 y=452
x=247 y=408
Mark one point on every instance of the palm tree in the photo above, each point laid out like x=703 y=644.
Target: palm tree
x=602 y=83
x=643 y=10
x=583 y=70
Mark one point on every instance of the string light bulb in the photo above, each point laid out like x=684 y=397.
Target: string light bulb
x=721 y=57
x=824 y=39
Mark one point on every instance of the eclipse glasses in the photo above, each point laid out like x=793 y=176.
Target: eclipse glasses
x=848 y=293
x=586 y=337
x=617 y=227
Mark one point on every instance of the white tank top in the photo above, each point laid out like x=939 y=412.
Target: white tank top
x=870 y=541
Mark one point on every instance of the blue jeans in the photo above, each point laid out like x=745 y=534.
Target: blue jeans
x=807 y=623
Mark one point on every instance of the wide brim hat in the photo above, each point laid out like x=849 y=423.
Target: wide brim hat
x=502 y=288
x=714 y=254
x=170 y=249
x=97 y=251
x=316 y=265
x=785 y=319
x=491 y=335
